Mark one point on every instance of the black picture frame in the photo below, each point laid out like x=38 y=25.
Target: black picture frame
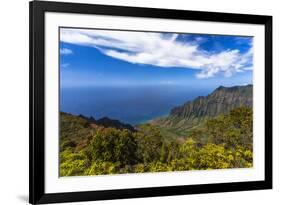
x=37 y=11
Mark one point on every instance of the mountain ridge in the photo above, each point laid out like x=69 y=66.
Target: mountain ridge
x=108 y=122
x=220 y=101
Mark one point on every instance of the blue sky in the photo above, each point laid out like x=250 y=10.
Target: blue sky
x=123 y=58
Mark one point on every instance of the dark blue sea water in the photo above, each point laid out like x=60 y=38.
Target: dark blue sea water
x=134 y=104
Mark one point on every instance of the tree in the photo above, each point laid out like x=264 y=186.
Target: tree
x=234 y=129
x=150 y=145
x=112 y=145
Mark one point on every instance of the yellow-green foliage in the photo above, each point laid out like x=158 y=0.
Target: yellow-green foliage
x=72 y=164
x=99 y=167
x=223 y=142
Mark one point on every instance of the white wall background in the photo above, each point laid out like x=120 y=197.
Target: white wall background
x=14 y=100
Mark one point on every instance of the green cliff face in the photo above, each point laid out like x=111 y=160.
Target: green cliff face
x=220 y=101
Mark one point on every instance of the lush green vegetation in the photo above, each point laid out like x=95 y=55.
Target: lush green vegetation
x=220 y=143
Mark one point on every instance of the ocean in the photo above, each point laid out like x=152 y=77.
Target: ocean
x=128 y=104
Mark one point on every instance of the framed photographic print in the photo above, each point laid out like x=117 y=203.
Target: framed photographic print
x=140 y=102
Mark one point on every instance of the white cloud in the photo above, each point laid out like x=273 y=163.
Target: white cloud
x=159 y=49
x=227 y=62
x=65 y=51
